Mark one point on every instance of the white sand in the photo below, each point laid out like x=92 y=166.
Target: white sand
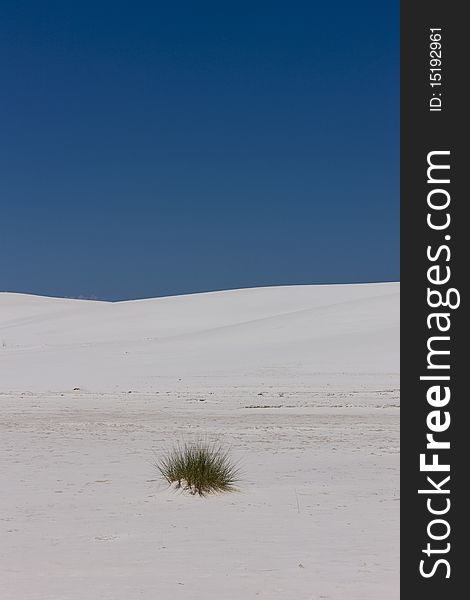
x=302 y=382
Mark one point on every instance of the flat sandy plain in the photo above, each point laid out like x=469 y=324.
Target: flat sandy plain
x=301 y=382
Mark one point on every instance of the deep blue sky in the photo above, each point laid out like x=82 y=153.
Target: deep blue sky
x=153 y=148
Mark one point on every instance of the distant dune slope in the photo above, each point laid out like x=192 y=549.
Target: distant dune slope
x=343 y=335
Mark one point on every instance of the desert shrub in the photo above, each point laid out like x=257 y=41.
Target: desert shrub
x=200 y=468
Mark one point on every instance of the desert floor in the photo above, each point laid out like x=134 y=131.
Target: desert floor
x=306 y=396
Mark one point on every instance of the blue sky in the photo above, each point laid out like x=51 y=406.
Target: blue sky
x=155 y=148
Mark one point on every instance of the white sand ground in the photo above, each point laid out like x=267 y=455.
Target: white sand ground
x=301 y=381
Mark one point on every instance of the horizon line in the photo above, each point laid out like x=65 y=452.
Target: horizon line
x=213 y=291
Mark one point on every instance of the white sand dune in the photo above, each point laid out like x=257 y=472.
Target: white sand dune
x=301 y=381
x=329 y=333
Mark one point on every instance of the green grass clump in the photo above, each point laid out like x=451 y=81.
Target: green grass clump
x=199 y=468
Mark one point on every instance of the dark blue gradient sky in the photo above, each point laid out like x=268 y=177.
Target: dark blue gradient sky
x=154 y=148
